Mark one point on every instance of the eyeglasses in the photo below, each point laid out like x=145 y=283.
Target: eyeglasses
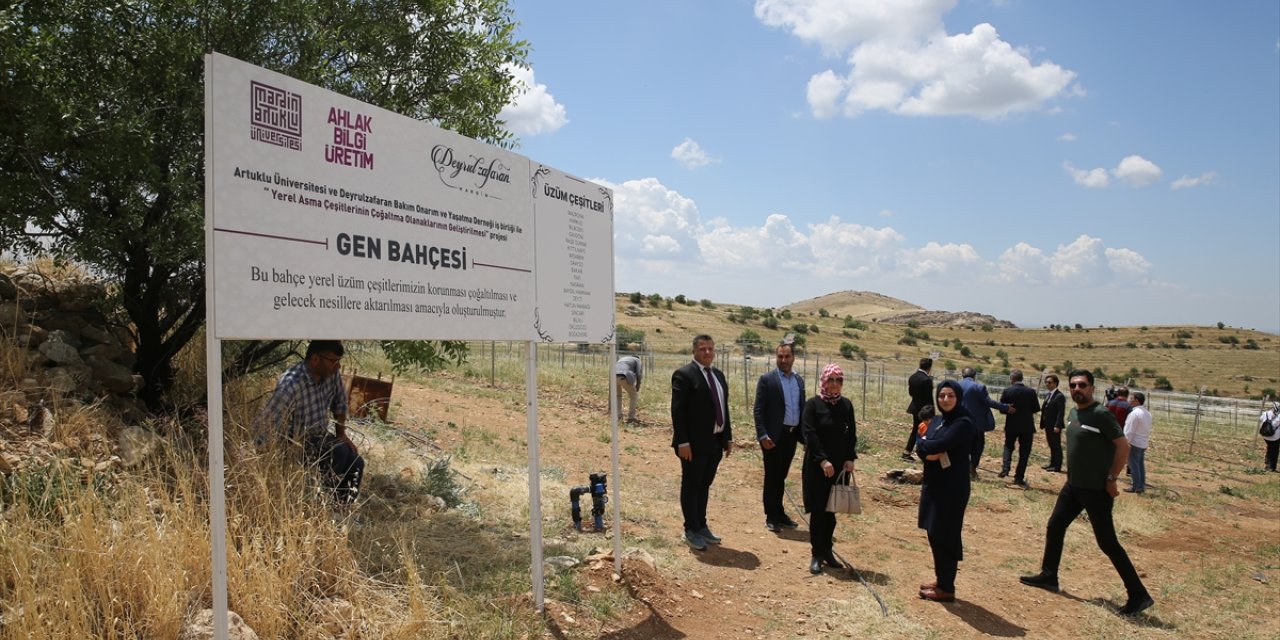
x=1079 y=385
x=331 y=359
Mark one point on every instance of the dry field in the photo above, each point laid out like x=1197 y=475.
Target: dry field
x=1192 y=359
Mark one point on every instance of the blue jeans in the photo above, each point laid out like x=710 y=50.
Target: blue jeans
x=1138 y=467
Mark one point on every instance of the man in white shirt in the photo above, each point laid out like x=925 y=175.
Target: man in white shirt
x=1137 y=430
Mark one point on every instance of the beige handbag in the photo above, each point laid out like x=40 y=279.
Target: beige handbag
x=844 y=496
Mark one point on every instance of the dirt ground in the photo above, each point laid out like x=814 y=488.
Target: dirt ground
x=1201 y=563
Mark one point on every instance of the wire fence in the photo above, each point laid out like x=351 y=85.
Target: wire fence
x=1196 y=425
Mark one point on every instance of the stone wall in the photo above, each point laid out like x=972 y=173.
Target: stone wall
x=73 y=349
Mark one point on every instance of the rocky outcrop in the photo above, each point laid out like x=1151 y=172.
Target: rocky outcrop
x=948 y=319
x=71 y=345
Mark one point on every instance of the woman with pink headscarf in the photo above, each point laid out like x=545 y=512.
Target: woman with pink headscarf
x=831 y=440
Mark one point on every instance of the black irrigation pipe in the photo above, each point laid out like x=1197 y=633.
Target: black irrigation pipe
x=884 y=609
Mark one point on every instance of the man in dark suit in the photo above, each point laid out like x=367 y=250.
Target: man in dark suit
x=920 y=388
x=1019 y=425
x=1052 y=413
x=700 y=433
x=978 y=402
x=779 y=399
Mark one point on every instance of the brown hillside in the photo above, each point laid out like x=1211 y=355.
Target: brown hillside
x=862 y=305
x=875 y=307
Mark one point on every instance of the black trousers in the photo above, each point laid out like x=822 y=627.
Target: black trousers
x=1054 y=438
x=696 y=477
x=1097 y=503
x=979 y=445
x=340 y=468
x=822 y=528
x=911 y=439
x=1273 y=452
x=946 y=561
x=777 y=464
x=1023 y=440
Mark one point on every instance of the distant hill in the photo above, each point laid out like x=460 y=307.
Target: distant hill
x=875 y=307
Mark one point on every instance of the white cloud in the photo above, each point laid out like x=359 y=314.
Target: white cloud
x=849 y=250
x=934 y=259
x=1137 y=171
x=1067 y=137
x=1024 y=263
x=690 y=154
x=653 y=222
x=661 y=243
x=1127 y=264
x=1092 y=178
x=902 y=60
x=776 y=242
x=532 y=110
x=1203 y=180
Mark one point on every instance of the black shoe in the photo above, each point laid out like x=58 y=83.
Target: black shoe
x=907 y=457
x=772 y=526
x=832 y=562
x=1131 y=490
x=1041 y=581
x=1021 y=483
x=787 y=523
x=1053 y=469
x=1004 y=473
x=1136 y=605
x=973 y=474
x=815 y=566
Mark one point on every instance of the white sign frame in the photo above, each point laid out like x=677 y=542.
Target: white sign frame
x=289 y=188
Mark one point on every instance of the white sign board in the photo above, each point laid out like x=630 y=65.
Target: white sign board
x=333 y=218
x=574 y=230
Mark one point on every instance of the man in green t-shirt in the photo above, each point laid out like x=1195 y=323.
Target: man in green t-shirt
x=1096 y=453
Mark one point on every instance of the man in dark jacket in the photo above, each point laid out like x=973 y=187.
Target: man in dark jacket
x=1052 y=413
x=779 y=400
x=978 y=402
x=701 y=435
x=1019 y=425
x=920 y=388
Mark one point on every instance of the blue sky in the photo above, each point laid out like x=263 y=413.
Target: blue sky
x=1110 y=163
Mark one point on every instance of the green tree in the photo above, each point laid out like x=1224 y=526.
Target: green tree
x=102 y=115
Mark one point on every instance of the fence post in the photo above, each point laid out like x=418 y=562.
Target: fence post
x=1195 y=425
x=493 y=362
x=864 y=385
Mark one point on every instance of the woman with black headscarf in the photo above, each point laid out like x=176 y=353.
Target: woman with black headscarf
x=944 y=494
x=830 y=445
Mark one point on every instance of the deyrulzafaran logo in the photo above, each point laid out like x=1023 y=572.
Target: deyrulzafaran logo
x=275 y=116
x=470 y=173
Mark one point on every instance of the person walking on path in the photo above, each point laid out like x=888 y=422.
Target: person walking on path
x=1096 y=453
x=1019 y=426
x=977 y=401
